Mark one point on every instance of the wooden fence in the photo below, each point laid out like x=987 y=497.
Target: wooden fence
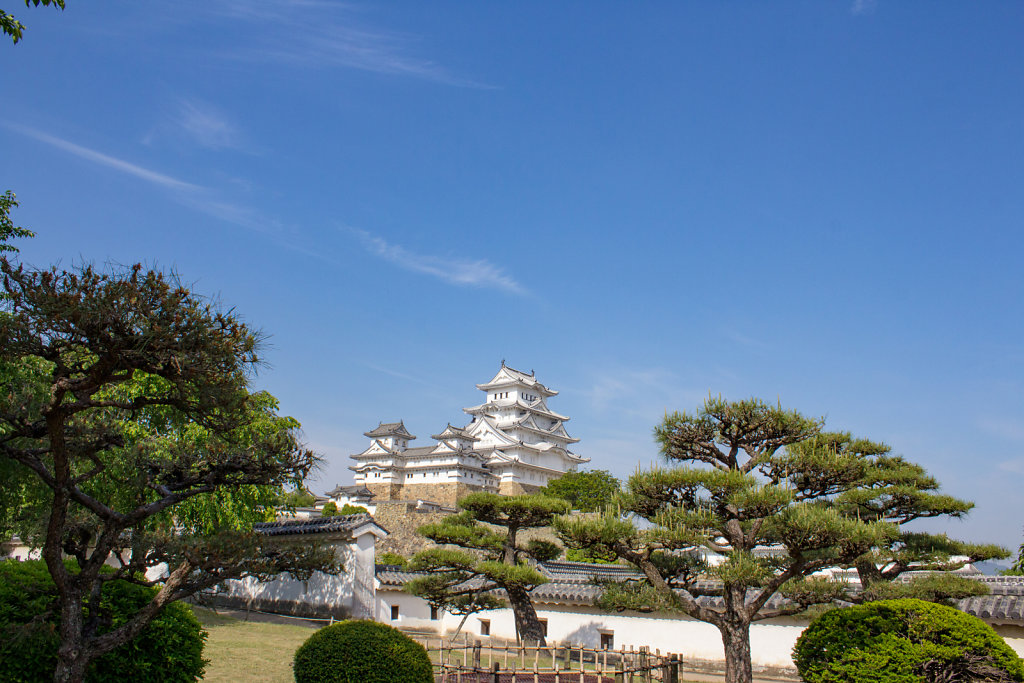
x=478 y=663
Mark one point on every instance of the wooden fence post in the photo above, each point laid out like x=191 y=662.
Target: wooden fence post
x=496 y=675
x=476 y=654
x=673 y=666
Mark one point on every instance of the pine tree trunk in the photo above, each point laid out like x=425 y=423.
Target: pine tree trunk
x=71 y=665
x=736 y=638
x=868 y=574
x=527 y=623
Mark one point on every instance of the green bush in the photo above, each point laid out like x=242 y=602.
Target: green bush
x=393 y=559
x=330 y=509
x=903 y=641
x=348 y=509
x=361 y=652
x=169 y=649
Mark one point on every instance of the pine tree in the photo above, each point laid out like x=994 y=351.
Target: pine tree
x=489 y=556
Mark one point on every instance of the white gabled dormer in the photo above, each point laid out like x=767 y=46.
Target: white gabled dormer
x=455 y=438
x=392 y=436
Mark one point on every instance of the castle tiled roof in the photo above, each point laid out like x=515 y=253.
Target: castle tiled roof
x=572 y=583
x=356 y=490
x=451 y=432
x=318 y=525
x=507 y=375
x=389 y=429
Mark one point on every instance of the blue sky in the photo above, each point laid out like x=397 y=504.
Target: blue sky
x=815 y=202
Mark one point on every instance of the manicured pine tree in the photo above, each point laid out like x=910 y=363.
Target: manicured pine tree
x=125 y=410
x=735 y=492
x=488 y=555
x=894 y=490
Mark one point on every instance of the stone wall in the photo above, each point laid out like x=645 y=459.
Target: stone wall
x=384 y=491
x=445 y=494
x=511 y=488
x=401 y=519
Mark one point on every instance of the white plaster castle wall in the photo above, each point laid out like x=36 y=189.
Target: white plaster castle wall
x=771 y=641
x=1013 y=635
x=352 y=589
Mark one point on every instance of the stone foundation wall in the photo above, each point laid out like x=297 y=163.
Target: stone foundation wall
x=445 y=494
x=384 y=491
x=511 y=488
x=401 y=519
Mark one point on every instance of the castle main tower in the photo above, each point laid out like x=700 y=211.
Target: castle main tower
x=513 y=444
x=523 y=441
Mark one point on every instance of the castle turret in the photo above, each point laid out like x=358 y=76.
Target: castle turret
x=392 y=436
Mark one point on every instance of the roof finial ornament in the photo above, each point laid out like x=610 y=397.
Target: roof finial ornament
x=502 y=362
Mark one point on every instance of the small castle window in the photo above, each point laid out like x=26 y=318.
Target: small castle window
x=485 y=627
x=394 y=612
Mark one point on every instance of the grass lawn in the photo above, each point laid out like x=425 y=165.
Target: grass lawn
x=248 y=650
x=262 y=652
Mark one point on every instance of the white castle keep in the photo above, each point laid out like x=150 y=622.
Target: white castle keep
x=513 y=444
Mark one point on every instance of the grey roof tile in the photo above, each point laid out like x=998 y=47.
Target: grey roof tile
x=571 y=583
x=389 y=429
x=356 y=490
x=319 y=525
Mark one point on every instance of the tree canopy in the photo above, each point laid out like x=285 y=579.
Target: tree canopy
x=14 y=28
x=588 y=491
x=8 y=230
x=889 y=488
x=778 y=499
x=737 y=489
x=488 y=556
x=125 y=401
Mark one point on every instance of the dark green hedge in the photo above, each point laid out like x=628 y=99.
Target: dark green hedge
x=903 y=641
x=169 y=649
x=361 y=652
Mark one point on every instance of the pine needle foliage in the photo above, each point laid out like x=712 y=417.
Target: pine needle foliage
x=126 y=414
x=487 y=556
x=779 y=499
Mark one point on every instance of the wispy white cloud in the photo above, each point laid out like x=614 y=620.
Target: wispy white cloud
x=104 y=159
x=745 y=340
x=399 y=375
x=206 y=125
x=640 y=392
x=1010 y=429
x=455 y=271
x=323 y=34
x=1016 y=465
x=863 y=6
x=197 y=197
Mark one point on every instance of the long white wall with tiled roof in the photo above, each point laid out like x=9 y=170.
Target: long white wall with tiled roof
x=566 y=604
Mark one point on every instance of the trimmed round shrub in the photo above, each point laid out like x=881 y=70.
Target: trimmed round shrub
x=903 y=641
x=169 y=649
x=361 y=651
